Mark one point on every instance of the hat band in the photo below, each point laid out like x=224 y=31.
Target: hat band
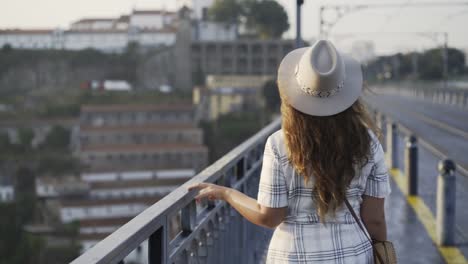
x=321 y=94
x=314 y=92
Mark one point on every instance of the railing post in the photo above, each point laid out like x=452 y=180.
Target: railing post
x=188 y=217
x=445 y=225
x=411 y=165
x=381 y=125
x=157 y=243
x=392 y=145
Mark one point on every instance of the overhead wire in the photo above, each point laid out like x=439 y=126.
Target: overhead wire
x=394 y=14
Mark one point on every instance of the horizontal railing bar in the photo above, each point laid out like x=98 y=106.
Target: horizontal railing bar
x=125 y=239
x=255 y=166
x=183 y=241
x=209 y=212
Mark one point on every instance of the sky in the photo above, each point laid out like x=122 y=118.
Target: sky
x=392 y=29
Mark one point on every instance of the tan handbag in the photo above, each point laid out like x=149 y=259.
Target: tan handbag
x=384 y=252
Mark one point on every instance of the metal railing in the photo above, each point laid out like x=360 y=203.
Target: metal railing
x=212 y=232
x=446 y=185
x=449 y=96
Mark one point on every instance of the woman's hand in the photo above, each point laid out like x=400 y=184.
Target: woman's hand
x=210 y=191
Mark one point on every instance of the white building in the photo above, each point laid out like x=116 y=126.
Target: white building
x=200 y=9
x=146 y=27
x=152 y=19
x=149 y=28
x=31 y=39
x=212 y=31
x=7 y=193
x=7 y=189
x=94 y=24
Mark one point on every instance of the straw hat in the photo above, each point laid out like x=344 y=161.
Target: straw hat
x=319 y=80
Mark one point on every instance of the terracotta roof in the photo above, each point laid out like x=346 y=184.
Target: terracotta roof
x=127 y=168
x=103 y=202
x=137 y=107
x=152 y=12
x=26 y=31
x=142 y=128
x=160 y=30
x=124 y=18
x=39 y=122
x=142 y=147
x=137 y=183
x=94 y=236
x=91 y=20
x=95 y=31
x=104 y=221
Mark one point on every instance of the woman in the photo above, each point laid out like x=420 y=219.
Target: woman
x=326 y=152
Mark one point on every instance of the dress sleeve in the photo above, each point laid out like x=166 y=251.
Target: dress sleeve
x=272 y=191
x=378 y=181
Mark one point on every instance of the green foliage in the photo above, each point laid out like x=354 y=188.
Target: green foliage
x=4 y=141
x=229 y=131
x=268 y=18
x=199 y=76
x=58 y=164
x=57 y=139
x=16 y=246
x=429 y=65
x=271 y=94
x=61 y=110
x=121 y=66
x=226 y=11
x=431 y=62
x=7 y=48
x=26 y=136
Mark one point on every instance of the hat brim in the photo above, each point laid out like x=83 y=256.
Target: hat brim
x=319 y=106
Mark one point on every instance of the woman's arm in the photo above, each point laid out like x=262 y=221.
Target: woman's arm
x=245 y=205
x=373 y=216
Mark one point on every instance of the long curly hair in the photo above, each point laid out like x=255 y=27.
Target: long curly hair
x=328 y=149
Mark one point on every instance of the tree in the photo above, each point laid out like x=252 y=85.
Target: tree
x=4 y=141
x=57 y=139
x=271 y=95
x=268 y=18
x=7 y=48
x=225 y=11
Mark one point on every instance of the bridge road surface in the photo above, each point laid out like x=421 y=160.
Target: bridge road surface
x=444 y=126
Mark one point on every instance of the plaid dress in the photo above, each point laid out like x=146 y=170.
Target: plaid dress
x=301 y=238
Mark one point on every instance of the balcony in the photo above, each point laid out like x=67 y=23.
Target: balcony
x=209 y=233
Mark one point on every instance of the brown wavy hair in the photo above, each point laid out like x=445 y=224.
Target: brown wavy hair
x=328 y=149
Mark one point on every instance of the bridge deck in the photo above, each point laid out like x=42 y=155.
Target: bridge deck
x=446 y=127
x=410 y=219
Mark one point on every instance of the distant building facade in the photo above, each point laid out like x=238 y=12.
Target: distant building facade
x=146 y=27
x=239 y=57
x=225 y=94
x=132 y=137
x=149 y=28
x=134 y=155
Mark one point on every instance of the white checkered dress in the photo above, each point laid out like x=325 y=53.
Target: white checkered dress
x=301 y=238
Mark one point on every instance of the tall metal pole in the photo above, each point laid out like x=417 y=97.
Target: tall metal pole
x=445 y=60
x=298 y=23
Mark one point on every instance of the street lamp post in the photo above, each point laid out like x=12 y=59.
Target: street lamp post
x=445 y=60
x=298 y=23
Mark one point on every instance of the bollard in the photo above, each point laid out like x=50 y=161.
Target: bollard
x=392 y=145
x=445 y=225
x=383 y=130
x=411 y=165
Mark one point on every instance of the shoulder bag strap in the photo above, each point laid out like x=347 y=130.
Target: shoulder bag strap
x=351 y=210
